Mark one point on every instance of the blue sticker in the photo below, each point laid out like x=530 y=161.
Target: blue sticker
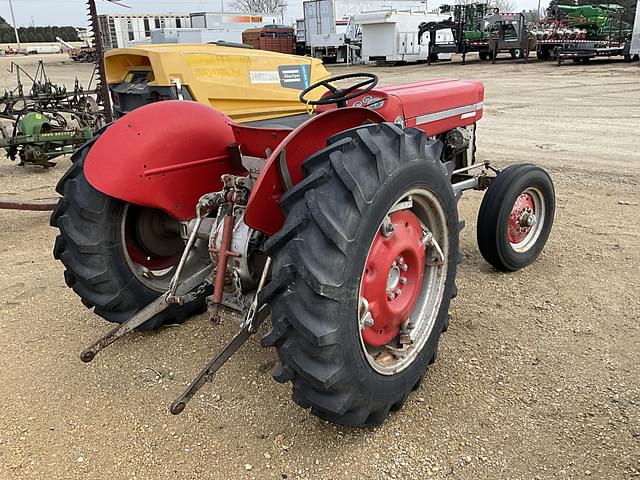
x=306 y=70
x=294 y=76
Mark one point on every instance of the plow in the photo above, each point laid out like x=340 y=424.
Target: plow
x=325 y=207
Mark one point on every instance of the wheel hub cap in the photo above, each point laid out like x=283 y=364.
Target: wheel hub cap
x=522 y=218
x=392 y=278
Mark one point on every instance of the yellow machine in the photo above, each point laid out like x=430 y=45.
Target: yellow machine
x=245 y=84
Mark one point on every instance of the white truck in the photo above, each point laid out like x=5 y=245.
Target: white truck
x=392 y=36
x=329 y=32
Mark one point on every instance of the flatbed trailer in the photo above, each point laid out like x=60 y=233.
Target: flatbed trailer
x=581 y=51
x=509 y=35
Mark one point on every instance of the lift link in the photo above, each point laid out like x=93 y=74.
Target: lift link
x=235 y=192
x=157 y=306
x=179 y=293
x=256 y=314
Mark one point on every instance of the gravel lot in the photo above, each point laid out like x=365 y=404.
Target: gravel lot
x=537 y=377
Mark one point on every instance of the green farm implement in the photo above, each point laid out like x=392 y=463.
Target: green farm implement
x=44 y=121
x=583 y=32
x=38 y=139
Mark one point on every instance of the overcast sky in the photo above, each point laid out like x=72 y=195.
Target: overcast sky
x=72 y=12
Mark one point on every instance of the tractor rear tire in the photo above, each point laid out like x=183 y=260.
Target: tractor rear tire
x=332 y=218
x=91 y=247
x=505 y=240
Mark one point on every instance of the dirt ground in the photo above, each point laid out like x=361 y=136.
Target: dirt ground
x=537 y=377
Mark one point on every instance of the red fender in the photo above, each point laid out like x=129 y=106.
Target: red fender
x=263 y=212
x=164 y=155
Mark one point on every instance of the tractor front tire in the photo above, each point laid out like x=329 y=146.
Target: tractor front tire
x=516 y=216
x=334 y=219
x=92 y=248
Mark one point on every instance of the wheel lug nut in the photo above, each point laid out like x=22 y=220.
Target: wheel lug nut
x=403 y=280
x=404 y=267
x=398 y=292
x=390 y=296
x=400 y=260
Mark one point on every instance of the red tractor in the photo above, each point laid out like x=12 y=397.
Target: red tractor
x=341 y=223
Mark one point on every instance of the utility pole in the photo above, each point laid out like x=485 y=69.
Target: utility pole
x=94 y=23
x=15 y=27
x=538 y=15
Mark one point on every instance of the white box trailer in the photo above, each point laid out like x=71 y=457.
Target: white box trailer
x=635 y=37
x=392 y=36
x=328 y=27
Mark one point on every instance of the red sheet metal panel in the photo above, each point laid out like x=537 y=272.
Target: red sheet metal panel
x=164 y=155
x=438 y=105
x=263 y=212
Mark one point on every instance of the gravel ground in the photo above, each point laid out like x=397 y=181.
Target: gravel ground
x=537 y=377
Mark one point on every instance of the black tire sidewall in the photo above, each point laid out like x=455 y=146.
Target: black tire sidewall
x=381 y=387
x=116 y=259
x=501 y=197
x=93 y=245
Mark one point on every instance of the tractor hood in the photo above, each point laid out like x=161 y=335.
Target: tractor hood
x=243 y=83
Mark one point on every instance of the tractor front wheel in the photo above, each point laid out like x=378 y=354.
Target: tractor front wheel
x=118 y=257
x=515 y=217
x=365 y=266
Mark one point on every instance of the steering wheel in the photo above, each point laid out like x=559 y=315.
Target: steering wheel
x=338 y=95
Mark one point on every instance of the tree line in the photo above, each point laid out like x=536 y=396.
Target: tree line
x=36 y=34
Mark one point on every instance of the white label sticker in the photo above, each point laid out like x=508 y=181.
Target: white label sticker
x=264 y=77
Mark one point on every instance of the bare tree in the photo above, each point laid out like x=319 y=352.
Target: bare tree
x=260 y=6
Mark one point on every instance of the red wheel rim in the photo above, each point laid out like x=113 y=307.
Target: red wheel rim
x=522 y=218
x=139 y=256
x=392 y=277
